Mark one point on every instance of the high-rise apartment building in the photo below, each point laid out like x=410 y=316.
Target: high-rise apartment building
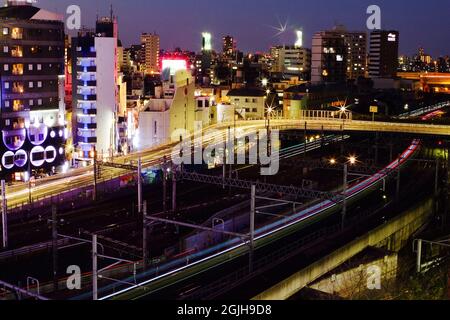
x=33 y=131
x=229 y=46
x=383 y=55
x=329 y=57
x=151 y=46
x=355 y=43
x=96 y=92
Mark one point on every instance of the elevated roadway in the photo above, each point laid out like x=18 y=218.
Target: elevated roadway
x=83 y=177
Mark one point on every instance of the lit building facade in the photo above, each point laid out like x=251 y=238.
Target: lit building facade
x=329 y=57
x=151 y=47
x=251 y=101
x=229 y=46
x=33 y=131
x=172 y=109
x=96 y=94
x=292 y=61
x=356 y=43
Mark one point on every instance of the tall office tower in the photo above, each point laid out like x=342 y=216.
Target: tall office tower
x=292 y=61
x=383 y=55
x=150 y=44
x=229 y=46
x=329 y=57
x=95 y=82
x=32 y=90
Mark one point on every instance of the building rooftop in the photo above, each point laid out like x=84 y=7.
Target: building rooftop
x=28 y=12
x=317 y=88
x=18 y=12
x=246 y=92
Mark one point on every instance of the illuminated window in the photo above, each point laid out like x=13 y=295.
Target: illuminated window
x=39 y=67
x=17 y=69
x=5 y=49
x=17 y=87
x=17 y=52
x=30 y=84
x=30 y=67
x=5 y=31
x=6 y=67
x=6 y=85
x=7 y=104
x=17 y=33
x=39 y=84
x=17 y=105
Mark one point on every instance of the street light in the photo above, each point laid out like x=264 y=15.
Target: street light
x=352 y=160
x=265 y=82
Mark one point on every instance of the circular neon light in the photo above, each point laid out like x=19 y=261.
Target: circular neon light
x=50 y=149
x=6 y=155
x=20 y=158
x=52 y=134
x=34 y=151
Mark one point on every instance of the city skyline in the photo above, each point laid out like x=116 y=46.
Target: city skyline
x=195 y=16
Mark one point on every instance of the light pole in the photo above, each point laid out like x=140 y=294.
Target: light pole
x=94 y=156
x=344 y=194
x=29 y=178
x=139 y=185
x=252 y=226
x=94 y=268
x=352 y=161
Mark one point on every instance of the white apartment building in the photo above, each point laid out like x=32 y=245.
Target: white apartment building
x=172 y=110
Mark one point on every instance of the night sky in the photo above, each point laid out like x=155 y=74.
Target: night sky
x=180 y=22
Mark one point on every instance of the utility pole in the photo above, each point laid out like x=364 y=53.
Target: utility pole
x=174 y=190
x=94 y=268
x=165 y=188
x=436 y=179
x=55 y=246
x=4 y=216
x=224 y=166
x=344 y=194
x=139 y=184
x=419 y=256
x=397 y=193
x=144 y=236
x=95 y=173
x=306 y=139
x=252 y=226
x=377 y=138
x=231 y=140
